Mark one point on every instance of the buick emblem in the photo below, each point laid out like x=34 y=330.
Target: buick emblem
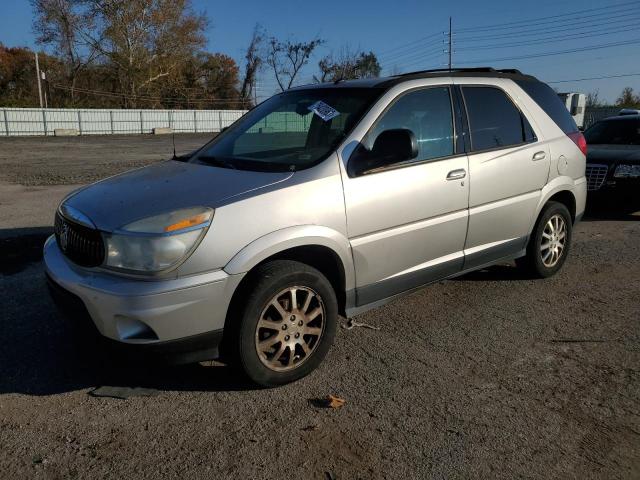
x=64 y=236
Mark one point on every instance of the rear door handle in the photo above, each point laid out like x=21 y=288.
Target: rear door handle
x=456 y=174
x=539 y=156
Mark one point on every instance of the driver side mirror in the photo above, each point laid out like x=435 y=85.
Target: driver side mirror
x=392 y=146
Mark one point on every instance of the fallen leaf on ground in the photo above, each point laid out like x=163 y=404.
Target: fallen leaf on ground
x=334 y=402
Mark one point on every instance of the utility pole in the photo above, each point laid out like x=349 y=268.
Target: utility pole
x=450 y=44
x=46 y=89
x=38 y=77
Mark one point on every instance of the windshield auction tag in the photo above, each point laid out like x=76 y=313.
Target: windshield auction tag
x=324 y=111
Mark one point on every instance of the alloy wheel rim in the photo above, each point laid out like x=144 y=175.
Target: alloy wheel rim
x=290 y=328
x=553 y=243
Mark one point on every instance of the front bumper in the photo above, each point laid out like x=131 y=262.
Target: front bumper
x=622 y=186
x=179 y=313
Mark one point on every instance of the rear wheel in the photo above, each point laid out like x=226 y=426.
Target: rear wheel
x=287 y=323
x=549 y=243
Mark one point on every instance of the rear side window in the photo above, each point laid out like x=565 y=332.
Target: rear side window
x=494 y=121
x=548 y=100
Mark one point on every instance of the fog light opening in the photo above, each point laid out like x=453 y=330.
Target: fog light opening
x=133 y=329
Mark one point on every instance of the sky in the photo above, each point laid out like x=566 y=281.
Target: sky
x=408 y=35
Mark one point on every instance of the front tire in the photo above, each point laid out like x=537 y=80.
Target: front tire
x=287 y=323
x=549 y=243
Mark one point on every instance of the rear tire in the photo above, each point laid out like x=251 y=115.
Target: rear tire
x=285 y=323
x=549 y=243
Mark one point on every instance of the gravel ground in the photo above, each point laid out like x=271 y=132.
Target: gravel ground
x=487 y=376
x=37 y=161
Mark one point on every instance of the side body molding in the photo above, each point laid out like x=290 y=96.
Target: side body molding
x=290 y=237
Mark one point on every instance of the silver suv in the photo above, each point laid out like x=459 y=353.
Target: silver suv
x=324 y=200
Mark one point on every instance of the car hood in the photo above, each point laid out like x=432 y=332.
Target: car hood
x=610 y=154
x=162 y=187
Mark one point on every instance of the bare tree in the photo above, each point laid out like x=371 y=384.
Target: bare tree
x=288 y=57
x=348 y=65
x=593 y=99
x=253 y=63
x=143 y=40
x=58 y=23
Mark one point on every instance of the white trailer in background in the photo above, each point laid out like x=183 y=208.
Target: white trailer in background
x=575 y=103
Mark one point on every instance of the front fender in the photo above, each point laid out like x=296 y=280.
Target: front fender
x=298 y=236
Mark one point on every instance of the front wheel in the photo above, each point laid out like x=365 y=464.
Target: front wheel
x=287 y=323
x=549 y=243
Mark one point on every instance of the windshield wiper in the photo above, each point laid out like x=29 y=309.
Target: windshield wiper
x=217 y=162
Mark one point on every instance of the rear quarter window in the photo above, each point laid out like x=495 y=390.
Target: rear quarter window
x=548 y=100
x=494 y=121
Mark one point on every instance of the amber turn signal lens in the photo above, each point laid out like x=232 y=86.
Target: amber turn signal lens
x=188 y=222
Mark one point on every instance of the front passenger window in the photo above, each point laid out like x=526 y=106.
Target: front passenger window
x=427 y=113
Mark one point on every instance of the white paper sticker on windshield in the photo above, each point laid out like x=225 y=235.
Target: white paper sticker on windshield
x=324 y=111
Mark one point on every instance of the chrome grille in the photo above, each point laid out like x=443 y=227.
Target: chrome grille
x=596 y=174
x=82 y=245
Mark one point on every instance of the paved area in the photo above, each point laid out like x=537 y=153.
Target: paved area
x=39 y=161
x=487 y=376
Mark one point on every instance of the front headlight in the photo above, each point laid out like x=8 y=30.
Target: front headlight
x=627 y=171
x=157 y=243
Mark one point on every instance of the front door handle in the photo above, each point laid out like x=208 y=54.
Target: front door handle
x=456 y=174
x=539 y=156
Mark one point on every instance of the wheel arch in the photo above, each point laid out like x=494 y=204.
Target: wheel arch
x=560 y=192
x=319 y=247
x=567 y=198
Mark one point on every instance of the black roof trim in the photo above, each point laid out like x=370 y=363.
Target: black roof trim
x=387 y=82
x=489 y=72
x=464 y=70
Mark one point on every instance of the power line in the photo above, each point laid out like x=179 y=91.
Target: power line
x=421 y=56
x=421 y=65
x=547 y=20
x=577 y=36
x=411 y=49
x=560 y=28
x=421 y=62
x=410 y=52
x=400 y=47
x=597 y=78
x=561 y=52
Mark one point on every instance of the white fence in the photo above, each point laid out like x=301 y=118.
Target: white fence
x=43 y=121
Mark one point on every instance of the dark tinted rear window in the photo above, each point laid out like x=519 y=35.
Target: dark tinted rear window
x=548 y=100
x=494 y=120
x=615 y=132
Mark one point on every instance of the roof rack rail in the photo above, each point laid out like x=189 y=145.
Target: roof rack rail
x=464 y=70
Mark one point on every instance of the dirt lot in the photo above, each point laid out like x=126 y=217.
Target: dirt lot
x=486 y=376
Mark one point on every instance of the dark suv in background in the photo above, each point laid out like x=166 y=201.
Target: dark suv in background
x=613 y=162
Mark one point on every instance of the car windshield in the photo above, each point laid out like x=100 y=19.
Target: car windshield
x=615 y=132
x=290 y=131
